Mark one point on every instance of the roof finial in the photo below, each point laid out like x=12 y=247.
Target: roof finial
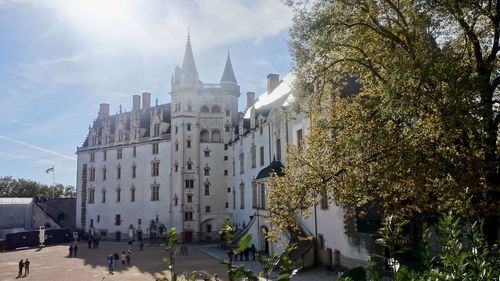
x=156 y=102
x=189 y=35
x=120 y=109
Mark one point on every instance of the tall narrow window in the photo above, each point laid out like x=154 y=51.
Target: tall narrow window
x=207 y=209
x=207 y=188
x=134 y=170
x=103 y=196
x=262 y=196
x=189 y=165
x=118 y=153
x=118 y=194
x=188 y=216
x=253 y=152
x=206 y=171
x=242 y=196
x=118 y=219
x=104 y=155
x=299 y=137
x=155 y=148
x=254 y=195
x=92 y=174
x=155 y=192
x=188 y=143
x=278 y=149
x=188 y=126
x=132 y=194
x=261 y=155
x=118 y=172
x=189 y=198
x=91 y=192
x=134 y=151
x=242 y=163
x=92 y=157
x=155 y=168
x=104 y=173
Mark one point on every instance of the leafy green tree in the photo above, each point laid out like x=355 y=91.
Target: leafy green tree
x=423 y=127
x=10 y=187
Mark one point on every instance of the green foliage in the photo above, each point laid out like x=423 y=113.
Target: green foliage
x=244 y=243
x=464 y=253
x=170 y=247
x=423 y=128
x=10 y=187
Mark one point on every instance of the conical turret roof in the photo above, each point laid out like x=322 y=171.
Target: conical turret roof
x=189 y=72
x=228 y=74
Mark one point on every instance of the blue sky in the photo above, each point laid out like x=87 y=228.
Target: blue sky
x=59 y=59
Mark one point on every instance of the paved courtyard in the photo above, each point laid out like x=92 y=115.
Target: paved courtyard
x=53 y=263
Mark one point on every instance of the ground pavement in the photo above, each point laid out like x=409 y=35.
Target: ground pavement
x=52 y=263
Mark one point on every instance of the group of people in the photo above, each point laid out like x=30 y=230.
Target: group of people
x=246 y=253
x=73 y=250
x=26 y=265
x=124 y=257
x=93 y=243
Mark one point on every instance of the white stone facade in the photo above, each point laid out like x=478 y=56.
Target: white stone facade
x=211 y=163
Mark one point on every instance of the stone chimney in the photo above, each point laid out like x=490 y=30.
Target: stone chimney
x=273 y=80
x=250 y=99
x=136 y=103
x=146 y=100
x=103 y=111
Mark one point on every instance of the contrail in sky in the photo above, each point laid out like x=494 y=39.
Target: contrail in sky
x=38 y=148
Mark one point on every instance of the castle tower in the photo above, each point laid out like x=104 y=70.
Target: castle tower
x=202 y=118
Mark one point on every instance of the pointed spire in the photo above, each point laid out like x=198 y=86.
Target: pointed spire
x=189 y=72
x=228 y=74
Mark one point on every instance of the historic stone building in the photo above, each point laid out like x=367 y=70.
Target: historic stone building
x=193 y=162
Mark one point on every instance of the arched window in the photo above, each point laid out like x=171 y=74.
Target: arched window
x=216 y=136
x=204 y=136
x=204 y=109
x=215 y=109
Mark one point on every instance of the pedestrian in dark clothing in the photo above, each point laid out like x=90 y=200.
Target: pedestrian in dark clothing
x=26 y=267
x=116 y=257
x=70 y=251
x=110 y=264
x=246 y=252
x=241 y=256
x=75 y=250
x=252 y=250
x=94 y=243
x=21 y=265
x=90 y=243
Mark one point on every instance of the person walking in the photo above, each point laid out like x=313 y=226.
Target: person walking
x=252 y=250
x=116 y=257
x=70 y=251
x=75 y=250
x=26 y=267
x=90 y=243
x=123 y=257
x=21 y=265
x=129 y=256
x=110 y=264
x=246 y=252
